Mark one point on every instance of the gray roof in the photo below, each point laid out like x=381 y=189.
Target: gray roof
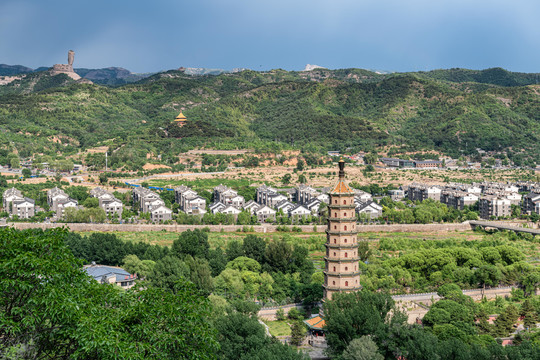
x=98 y=271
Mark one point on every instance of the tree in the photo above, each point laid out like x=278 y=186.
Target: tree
x=363 y=250
x=194 y=243
x=254 y=247
x=278 y=255
x=234 y=250
x=243 y=263
x=506 y=320
x=217 y=261
x=371 y=158
x=134 y=265
x=352 y=315
x=200 y=274
x=280 y=314
x=286 y=179
x=103 y=178
x=529 y=314
x=167 y=272
x=298 y=333
x=26 y=173
x=300 y=165
x=91 y=202
x=15 y=163
x=302 y=179
x=363 y=348
x=71 y=316
x=241 y=337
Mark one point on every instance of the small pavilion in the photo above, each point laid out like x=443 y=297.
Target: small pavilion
x=181 y=119
x=315 y=326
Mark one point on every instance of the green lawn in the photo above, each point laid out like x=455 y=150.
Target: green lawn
x=278 y=328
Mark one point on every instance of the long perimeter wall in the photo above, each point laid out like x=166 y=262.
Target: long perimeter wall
x=232 y=228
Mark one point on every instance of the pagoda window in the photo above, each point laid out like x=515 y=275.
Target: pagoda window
x=335 y=214
x=346 y=268
x=334 y=241
x=345 y=254
x=335 y=201
x=345 y=240
x=334 y=253
x=345 y=214
x=345 y=227
x=333 y=283
x=344 y=202
x=334 y=269
x=346 y=283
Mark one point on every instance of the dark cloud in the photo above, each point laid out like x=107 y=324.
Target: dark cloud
x=386 y=34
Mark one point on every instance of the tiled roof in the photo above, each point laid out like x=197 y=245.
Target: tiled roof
x=342 y=188
x=315 y=323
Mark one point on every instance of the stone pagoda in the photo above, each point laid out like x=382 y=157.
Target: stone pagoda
x=341 y=261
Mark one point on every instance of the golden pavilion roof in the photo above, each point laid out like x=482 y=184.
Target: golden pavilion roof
x=180 y=117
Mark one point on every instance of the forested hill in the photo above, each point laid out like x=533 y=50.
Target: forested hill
x=454 y=111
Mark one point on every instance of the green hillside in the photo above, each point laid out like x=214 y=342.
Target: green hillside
x=322 y=109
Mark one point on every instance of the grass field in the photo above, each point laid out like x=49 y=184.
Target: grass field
x=278 y=328
x=314 y=242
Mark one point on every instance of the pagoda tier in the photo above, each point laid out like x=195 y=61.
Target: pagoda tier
x=341 y=272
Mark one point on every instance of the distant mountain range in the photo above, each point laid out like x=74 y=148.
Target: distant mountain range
x=112 y=76
x=453 y=111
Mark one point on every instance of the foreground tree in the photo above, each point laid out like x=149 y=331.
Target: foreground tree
x=362 y=348
x=50 y=309
x=352 y=315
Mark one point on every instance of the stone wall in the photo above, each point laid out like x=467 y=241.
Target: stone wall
x=232 y=228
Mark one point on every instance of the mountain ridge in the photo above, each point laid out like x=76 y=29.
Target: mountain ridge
x=317 y=110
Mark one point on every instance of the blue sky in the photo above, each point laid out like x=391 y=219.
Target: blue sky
x=153 y=35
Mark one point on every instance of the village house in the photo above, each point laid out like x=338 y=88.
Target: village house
x=216 y=207
x=264 y=213
x=299 y=211
x=305 y=193
x=54 y=195
x=421 y=192
x=531 y=203
x=285 y=206
x=314 y=206
x=458 y=199
x=396 y=195
x=15 y=204
x=105 y=274
x=147 y=199
x=228 y=196
x=194 y=205
x=110 y=204
x=23 y=208
x=62 y=204
x=251 y=206
x=189 y=201
x=10 y=195
x=160 y=214
x=362 y=196
x=371 y=208
x=494 y=206
x=269 y=196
